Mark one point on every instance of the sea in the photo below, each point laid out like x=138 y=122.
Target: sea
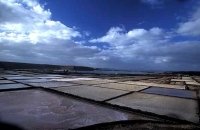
x=110 y=72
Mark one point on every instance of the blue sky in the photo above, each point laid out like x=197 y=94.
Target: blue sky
x=120 y=34
x=97 y=16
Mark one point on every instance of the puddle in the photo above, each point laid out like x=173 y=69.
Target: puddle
x=171 y=92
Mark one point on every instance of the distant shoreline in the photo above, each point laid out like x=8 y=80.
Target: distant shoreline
x=45 y=68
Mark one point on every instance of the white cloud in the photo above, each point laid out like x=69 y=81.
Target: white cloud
x=55 y=52
x=192 y=26
x=22 y=11
x=28 y=34
x=114 y=34
x=29 y=21
x=145 y=49
x=87 y=33
x=117 y=36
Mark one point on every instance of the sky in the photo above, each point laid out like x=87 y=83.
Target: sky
x=140 y=35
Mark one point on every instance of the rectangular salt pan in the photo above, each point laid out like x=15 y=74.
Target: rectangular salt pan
x=181 y=108
x=12 y=86
x=89 y=92
x=171 y=92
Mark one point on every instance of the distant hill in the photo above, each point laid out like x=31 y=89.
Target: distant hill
x=16 y=65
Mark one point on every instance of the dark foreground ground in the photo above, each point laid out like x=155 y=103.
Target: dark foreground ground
x=51 y=101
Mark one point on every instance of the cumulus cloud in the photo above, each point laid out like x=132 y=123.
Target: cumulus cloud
x=27 y=20
x=153 y=48
x=28 y=34
x=117 y=36
x=192 y=26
